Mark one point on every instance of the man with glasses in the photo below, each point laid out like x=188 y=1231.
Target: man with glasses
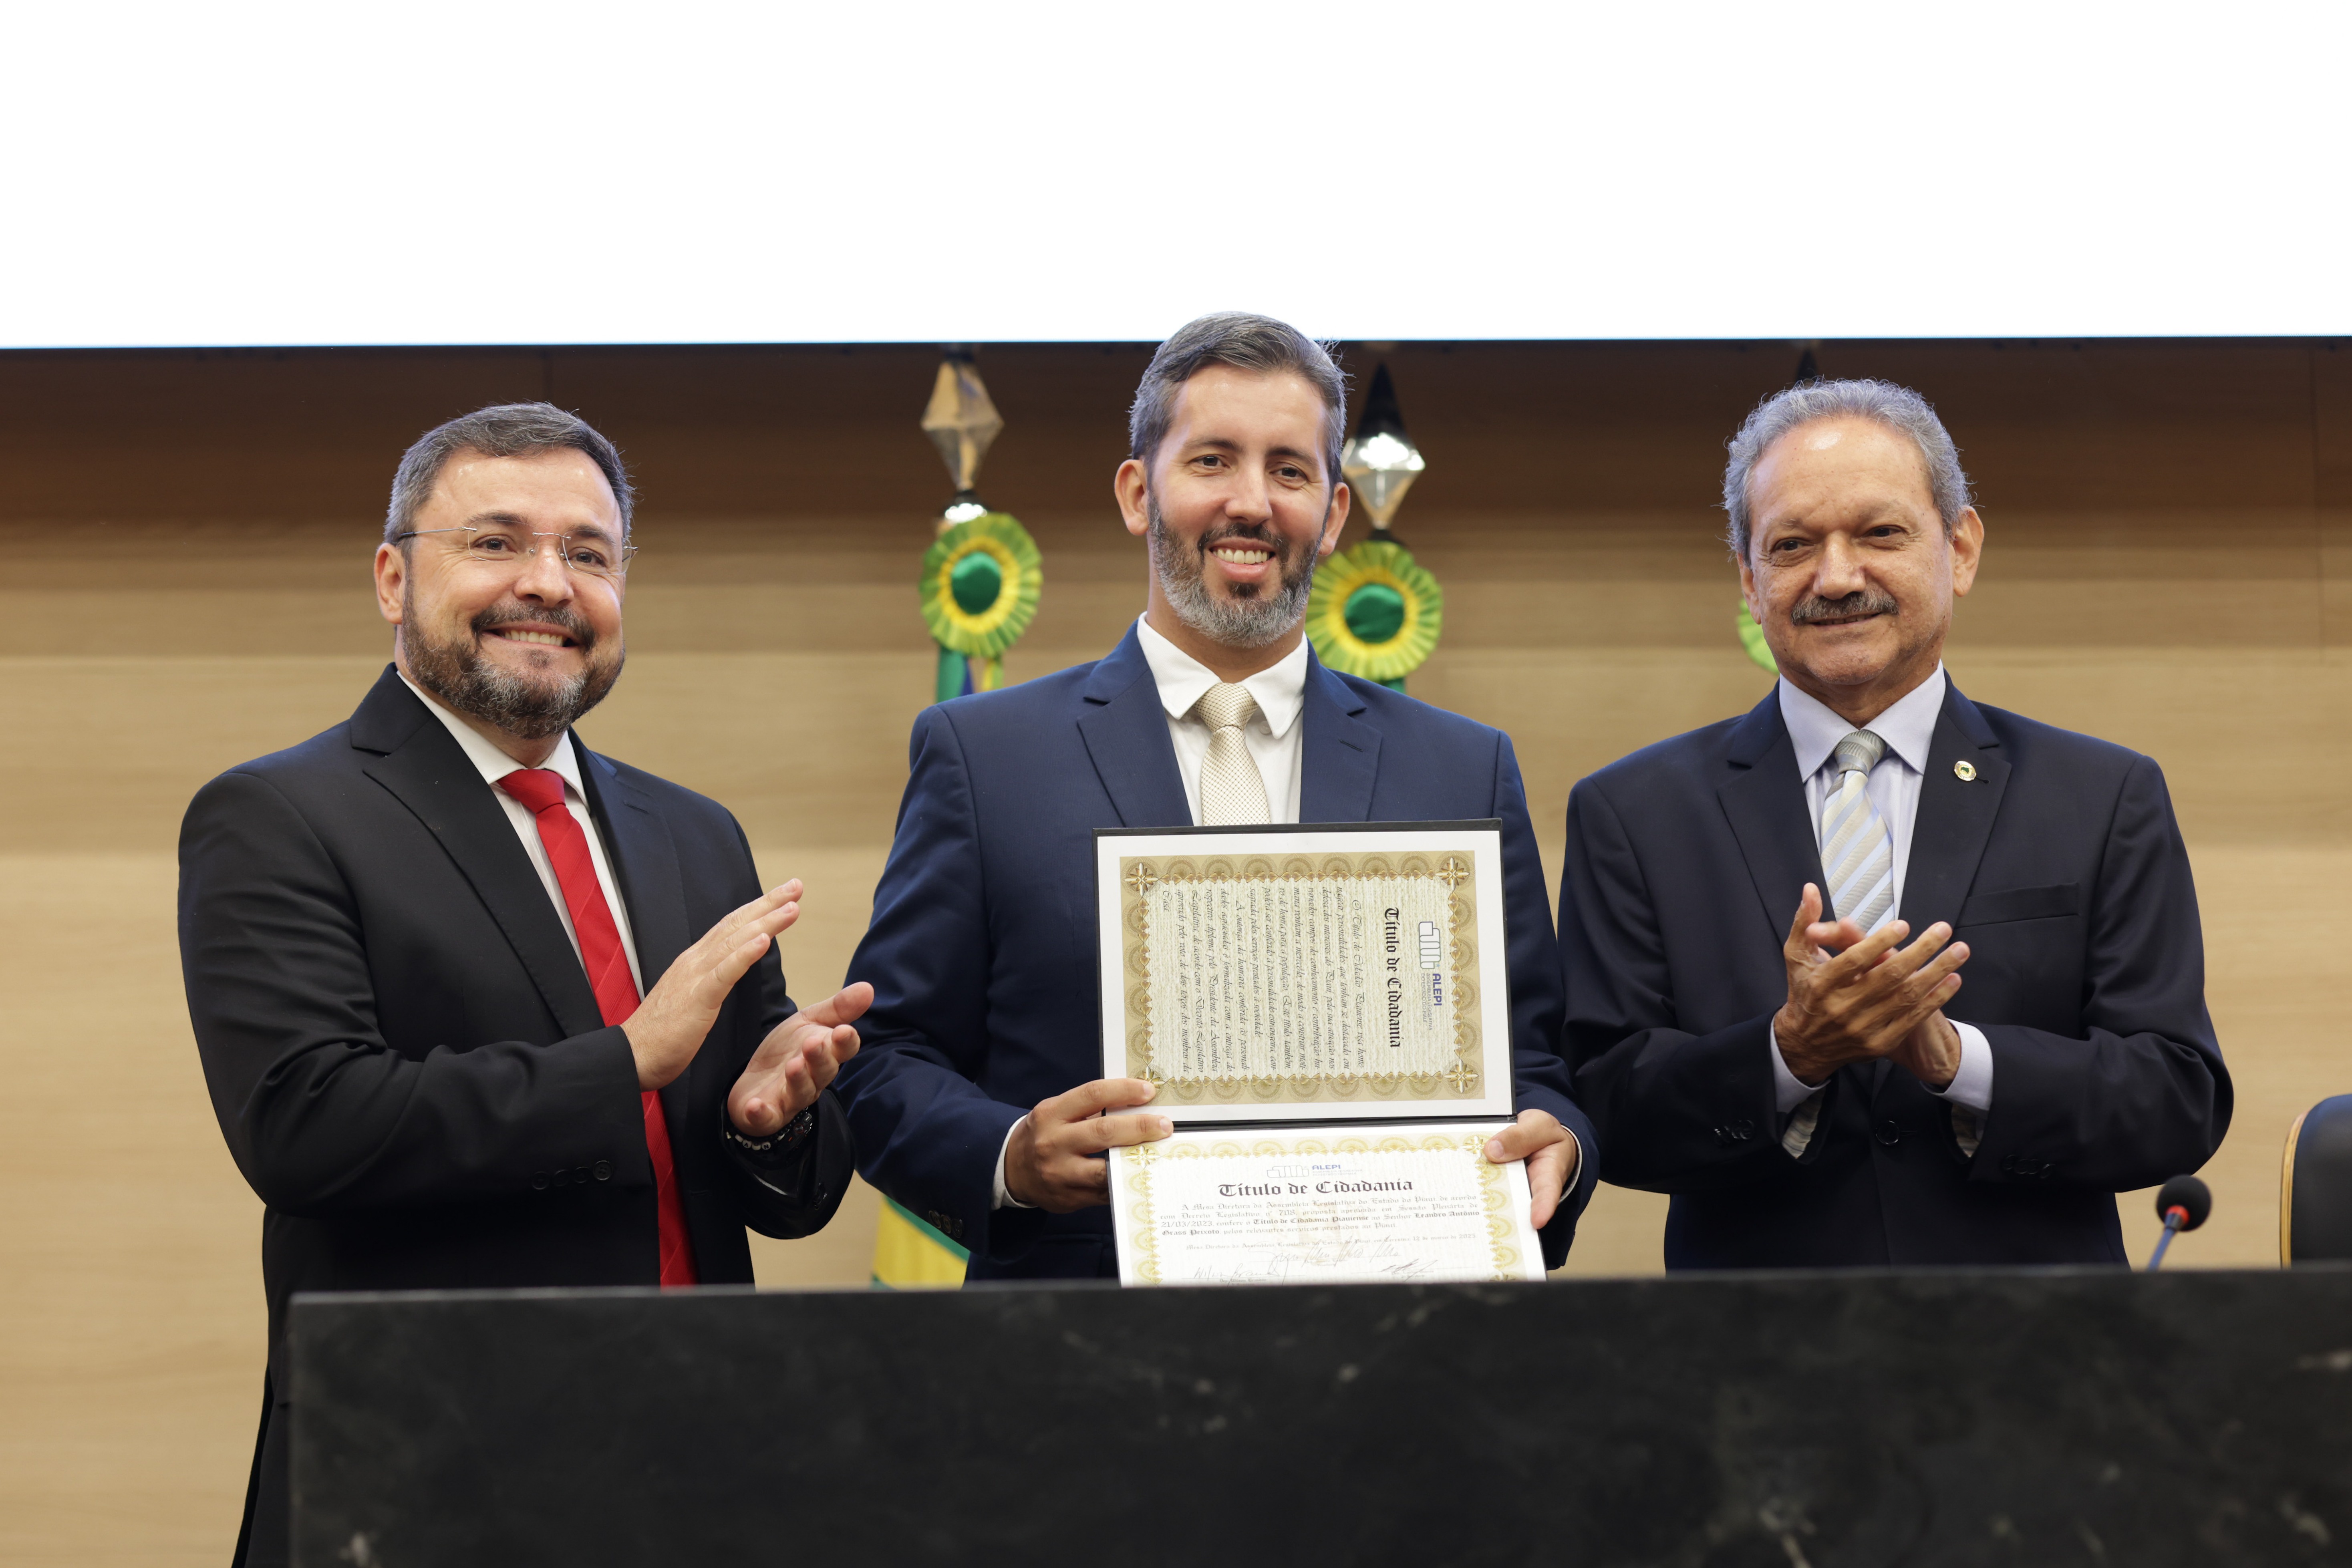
x=478 y=1007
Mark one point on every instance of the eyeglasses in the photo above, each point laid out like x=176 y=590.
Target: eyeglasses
x=509 y=547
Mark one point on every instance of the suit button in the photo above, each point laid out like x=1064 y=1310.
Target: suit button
x=1741 y=1132
x=604 y=1170
x=539 y=1181
x=1889 y=1132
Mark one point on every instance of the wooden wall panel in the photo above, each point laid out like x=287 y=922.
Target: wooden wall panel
x=183 y=541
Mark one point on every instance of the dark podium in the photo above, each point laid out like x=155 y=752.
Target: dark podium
x=2038 y=1416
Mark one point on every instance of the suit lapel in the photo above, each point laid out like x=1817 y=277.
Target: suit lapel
x=1340 y=754
x=1956 y=816
x=428 y=771
x=1126 y=733
x=644 y=864
x=648 y=875
x=1764 y=801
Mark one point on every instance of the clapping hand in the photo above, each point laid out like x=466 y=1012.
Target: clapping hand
x=796 y=1061
x=1869 y=999
x=670 y=1026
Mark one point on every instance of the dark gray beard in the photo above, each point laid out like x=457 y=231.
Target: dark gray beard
x=466 y=683
x=1249 y=622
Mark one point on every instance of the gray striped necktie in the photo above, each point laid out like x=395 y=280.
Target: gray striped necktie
x=1858 y=855
x=1858 y=865
x=1233 y=792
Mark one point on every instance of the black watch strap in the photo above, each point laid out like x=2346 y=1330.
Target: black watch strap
x=776 y=1147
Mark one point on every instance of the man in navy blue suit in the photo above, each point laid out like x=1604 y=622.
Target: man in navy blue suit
x=975 y=1101
x=1876 y=974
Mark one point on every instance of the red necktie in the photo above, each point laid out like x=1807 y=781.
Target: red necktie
x=542 y=789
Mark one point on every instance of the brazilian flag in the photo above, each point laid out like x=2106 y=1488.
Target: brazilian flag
x=909 y=1254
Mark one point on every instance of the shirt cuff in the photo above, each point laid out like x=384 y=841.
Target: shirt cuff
x=1003 y=1198
x=1972 y=1085
x=1788 y=1090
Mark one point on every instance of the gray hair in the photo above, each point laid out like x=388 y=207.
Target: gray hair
x=1246 y=342
x=1898 y=409
x=501 y=430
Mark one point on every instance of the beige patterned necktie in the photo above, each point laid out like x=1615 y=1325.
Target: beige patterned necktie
x=1233 y=792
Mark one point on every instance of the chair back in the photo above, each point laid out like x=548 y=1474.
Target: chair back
x=2315 y=1186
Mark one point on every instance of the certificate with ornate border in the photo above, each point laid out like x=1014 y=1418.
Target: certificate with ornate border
x=1325 y=973
x=1321 y=1205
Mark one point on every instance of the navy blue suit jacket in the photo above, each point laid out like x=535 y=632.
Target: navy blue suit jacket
x=2060 y=867
x=982 y=949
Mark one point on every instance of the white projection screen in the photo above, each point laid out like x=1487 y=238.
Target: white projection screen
x=492 y=172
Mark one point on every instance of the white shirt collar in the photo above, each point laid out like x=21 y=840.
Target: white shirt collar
x=492 y=763
x=1907 y=727
x=1279 y=689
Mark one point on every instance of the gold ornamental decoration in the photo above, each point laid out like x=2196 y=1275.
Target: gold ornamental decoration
x=1375 y=612
x=983 y=577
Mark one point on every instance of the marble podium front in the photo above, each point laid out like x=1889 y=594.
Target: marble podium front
x=2039 y=1417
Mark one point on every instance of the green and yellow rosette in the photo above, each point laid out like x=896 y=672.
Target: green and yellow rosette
x=980 y=587
x=1374 y=613
x=1751 y=639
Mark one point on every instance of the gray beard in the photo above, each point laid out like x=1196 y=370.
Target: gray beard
x=466 y=683
x=1249 y=622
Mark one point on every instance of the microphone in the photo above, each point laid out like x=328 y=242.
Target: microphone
x=2184 y=1202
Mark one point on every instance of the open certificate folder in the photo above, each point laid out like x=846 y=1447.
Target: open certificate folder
x=1326 y=1013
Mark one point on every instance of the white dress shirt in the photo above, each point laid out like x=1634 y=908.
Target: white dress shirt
x=1908 y=728
x=1280 y=692
x=494 y=764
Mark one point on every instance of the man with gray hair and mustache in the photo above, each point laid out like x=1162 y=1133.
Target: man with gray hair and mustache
x=1876 y=974
x=976 y=1102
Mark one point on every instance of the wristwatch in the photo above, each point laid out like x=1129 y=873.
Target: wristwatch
x=777 y=1146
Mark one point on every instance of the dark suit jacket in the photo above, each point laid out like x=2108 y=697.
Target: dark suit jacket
x=983 y=950
x=2062 y=869
x=404 y=1053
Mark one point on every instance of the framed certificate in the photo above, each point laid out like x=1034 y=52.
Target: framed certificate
x=1392 y=1202
x=1298 y=975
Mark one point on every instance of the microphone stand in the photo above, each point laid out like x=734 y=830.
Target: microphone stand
x=2174 y=1218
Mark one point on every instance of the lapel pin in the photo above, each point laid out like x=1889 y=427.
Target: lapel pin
x=1966 y=771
